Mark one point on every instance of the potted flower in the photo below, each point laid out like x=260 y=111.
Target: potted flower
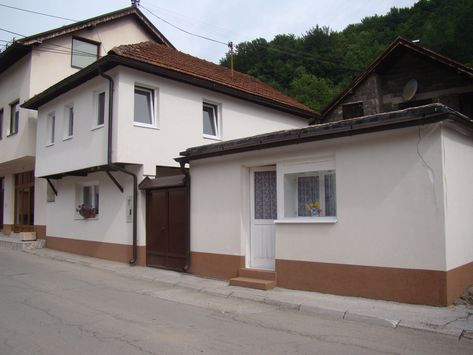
x=86 y=211
x=314 y=208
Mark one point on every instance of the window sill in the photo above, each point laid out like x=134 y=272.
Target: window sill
x=49 y=145
x=213 y=138
x=305 y=220
x=86 y=219
x=97 y=127
x=144 y=125
x=11 y=134
x=67 y=138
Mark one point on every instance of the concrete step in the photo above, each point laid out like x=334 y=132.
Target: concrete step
x=257 y=274
x=16 y=244
x=253 y=283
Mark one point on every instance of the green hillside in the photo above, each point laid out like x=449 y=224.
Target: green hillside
x=314 y=67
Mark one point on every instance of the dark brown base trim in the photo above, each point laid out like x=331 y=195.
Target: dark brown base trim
x=384 y=283
x=40 y=231
x=7 y=228
x=220 y=266
x=458 y=280
x=109 y=251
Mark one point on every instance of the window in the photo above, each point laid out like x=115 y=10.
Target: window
x=100 y=105
x=1 y=123
x=144 y=107
x=211 y=127
x=87 y=200
x=68 y=122
x=14 y=116
x=83 y=52
x=352 y=110
x=51 y=127
x=308 y=190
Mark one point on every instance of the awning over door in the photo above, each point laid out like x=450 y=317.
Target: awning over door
x=163 y=182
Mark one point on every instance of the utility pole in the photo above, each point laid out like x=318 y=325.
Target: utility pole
x=230 y=45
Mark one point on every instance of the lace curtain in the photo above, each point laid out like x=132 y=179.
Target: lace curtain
x=265 y=195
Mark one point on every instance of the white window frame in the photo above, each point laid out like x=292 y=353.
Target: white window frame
x=153 y=102
x=50 y=129
x=217 y=120
x=96 y=123
x=67 y=122
x=80 y=197
x=311 y=168
x=14 y=117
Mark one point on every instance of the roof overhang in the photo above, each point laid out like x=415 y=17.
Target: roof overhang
x=361 y=125
x=163 y=182
x=12 y=55
x=111 y=60
x=23 y=46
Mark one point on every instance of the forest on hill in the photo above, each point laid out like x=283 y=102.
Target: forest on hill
x=316 y=66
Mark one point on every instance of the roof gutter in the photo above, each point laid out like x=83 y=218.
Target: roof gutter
x=380 y=122
x=116 y=167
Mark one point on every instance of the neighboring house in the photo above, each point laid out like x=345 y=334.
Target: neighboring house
x=377 y=205
x=404 y=75
x=30 y=65
x=133 y=111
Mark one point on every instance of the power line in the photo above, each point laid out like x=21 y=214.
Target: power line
x=38 y=13
x=11 y=32
x=183 y=30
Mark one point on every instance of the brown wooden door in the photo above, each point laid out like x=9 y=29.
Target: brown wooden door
x=167 y=228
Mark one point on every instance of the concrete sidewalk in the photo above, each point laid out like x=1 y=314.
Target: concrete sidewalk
x=456 y=321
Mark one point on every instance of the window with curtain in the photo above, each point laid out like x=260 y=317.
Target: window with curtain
x=310 y=194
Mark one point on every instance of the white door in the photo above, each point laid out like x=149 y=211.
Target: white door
x=263 y=213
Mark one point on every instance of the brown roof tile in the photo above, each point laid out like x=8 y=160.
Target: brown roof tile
x=171 y=59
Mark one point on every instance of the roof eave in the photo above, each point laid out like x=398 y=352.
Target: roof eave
x=12 y=55
x=380 y=122
x=94 y=21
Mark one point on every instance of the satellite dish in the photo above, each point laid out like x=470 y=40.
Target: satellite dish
x=410 y=90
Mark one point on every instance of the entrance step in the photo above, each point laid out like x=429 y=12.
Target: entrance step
x=255 y=278
x=14 y=242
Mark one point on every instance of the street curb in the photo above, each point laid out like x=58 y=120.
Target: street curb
x=240 y=293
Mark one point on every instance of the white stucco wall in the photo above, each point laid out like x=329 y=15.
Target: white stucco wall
x=88 y=146
x=14 y=85
x=389 y=202
x=111 y=226
x=458 y=178
x=179 y=113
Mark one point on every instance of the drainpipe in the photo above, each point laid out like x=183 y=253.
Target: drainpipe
x=112 y=166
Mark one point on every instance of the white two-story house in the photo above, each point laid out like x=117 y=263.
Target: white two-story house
x=107 y=137
x=27 y=67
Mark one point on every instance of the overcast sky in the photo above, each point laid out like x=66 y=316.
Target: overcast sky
x=222 y=20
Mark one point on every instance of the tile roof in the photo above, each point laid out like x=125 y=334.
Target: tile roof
x=171 y=59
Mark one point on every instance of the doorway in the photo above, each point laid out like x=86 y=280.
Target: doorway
x=263 y=211
x=167 y=228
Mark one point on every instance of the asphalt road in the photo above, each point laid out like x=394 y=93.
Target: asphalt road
x=54 y=307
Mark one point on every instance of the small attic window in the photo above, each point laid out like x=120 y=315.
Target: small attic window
x=352 y=110
x=84 y=52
